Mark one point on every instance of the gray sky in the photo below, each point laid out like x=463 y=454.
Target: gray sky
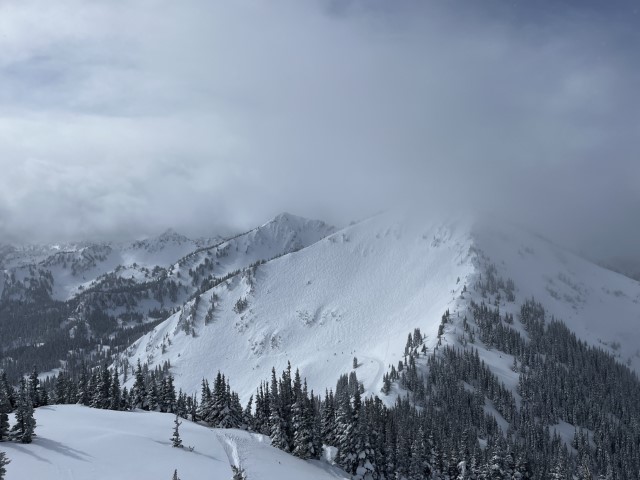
x=124 y=117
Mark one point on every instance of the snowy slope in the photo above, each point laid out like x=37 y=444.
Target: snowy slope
x=357 y=293
x=601 y=306
x=360 y=291
x=76 y=442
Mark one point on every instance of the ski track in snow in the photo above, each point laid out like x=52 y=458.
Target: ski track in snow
x=230 y=446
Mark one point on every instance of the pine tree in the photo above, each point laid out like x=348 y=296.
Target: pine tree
x=84 y=395
x=5 y=409
x=153 y=396
x=344 y=428
x=278 y=428
x=8 y=390
x=139 y=390
x=176 y=441
x=61 y=389
x=115 y=394
x=169 y=395
x=262 y=412
x=25 y=425
x=247 y=416
x=4 y=461
x=417 y=468
x=34 y=389
x=175 y=475
x=302 y=422
x=328 y=423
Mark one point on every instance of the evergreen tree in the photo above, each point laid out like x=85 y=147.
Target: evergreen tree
x=176 y=441
x=175 y=475
x=247 y=416
x=278 y=428
x=84 y=395
x=5 y=409
x=61 y=389
x=34 y=389
x=262 y=412
x=139 y=390
x=4 y=461
x=115 y=394
x=302 y=418
x=344 y=427
x=416 y=467
x=25 y=425
x=169 y=395
x=328 y=422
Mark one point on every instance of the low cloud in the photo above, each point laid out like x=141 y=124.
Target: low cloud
x=119 y=119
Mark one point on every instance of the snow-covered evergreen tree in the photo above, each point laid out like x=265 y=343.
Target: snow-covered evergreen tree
x=25 y=425
x=302 y=422
x=328 y=420
x=34 y=388
x=139 y=389
x=115 y=394
x=247 y=416
x=344 y=428
x=4 y=461
x=176 y=441
x=5 y=409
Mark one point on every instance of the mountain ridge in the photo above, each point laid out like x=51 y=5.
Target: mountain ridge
x=336 y=288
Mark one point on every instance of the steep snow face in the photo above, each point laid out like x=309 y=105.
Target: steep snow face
x=356 y=293
x=600 y=306
x=79 y=442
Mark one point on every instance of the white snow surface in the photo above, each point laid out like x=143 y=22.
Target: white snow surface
x=361 y=290
x=75 y=442
x=358 y=292
x=600 y=306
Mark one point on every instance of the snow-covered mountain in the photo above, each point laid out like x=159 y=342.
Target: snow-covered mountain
x=92 y=292
x=344 y=302
x=65 y=269
x=85 y=443
x=361 y=290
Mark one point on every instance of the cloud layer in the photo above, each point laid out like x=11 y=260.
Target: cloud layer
x=121 y=118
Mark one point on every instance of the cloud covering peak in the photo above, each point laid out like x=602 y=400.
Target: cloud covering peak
x=124 y=118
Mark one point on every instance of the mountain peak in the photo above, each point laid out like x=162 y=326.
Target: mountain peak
x=171 y=234
x=286 y=217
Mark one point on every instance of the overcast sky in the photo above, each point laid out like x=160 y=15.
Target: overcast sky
x=120 y=118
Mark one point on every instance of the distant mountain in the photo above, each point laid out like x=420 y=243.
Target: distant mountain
x=76 y=296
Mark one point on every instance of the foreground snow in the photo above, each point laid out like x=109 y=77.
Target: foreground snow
x=77 y=442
